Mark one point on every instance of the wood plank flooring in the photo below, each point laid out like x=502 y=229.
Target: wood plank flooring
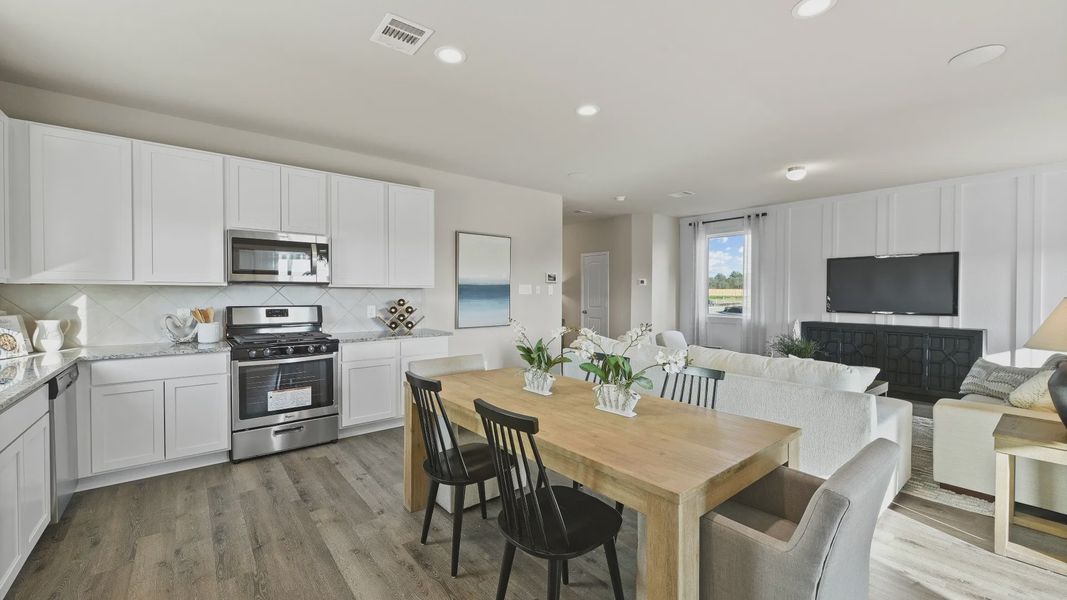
x=328 y=522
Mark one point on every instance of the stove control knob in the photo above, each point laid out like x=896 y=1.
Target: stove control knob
x=310 y=349
x=290 y=350
x=267 y=351
x=252 y=353
x=323 y=348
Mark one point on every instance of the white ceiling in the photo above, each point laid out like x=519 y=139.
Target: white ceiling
x=717 y=97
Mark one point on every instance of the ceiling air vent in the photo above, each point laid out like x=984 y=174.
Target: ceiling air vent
x=583 y=212
x=401 y=34
x=682 y=194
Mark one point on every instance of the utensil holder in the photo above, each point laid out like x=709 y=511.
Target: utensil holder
x=209 y=333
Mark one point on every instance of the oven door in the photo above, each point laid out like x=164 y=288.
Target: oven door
x=269 y=392
x=266 y=257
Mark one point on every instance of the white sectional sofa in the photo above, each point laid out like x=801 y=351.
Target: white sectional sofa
x=836 y=421
x=964 y=457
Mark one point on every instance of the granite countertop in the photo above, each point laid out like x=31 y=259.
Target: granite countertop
x=377 y=336
x=21 y=376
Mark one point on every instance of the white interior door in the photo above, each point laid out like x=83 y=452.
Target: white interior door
x=595 y=291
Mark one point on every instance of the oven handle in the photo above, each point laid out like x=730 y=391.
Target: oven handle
x=287 y=430
x=294 y=359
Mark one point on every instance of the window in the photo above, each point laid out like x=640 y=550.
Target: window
x=726 y=274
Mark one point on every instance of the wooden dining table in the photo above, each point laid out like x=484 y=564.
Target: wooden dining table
x=672 y=463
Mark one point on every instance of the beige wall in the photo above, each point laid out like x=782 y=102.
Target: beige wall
x=641 y=247
x=603 y=235
x=532 y=218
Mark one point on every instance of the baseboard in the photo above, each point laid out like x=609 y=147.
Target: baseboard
x=370 y=427
x=152 y=470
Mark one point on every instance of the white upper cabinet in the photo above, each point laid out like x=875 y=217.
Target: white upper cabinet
x=253 y=194
x=178 y=206
x=358 y=246
x=81 y=205
x=304 y=201
x=411 y=237
x=5 y=191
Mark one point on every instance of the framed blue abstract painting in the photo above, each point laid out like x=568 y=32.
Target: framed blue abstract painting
x=483 y=280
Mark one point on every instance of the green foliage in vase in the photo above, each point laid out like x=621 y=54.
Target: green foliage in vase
x=794 y=345
x=539 y=354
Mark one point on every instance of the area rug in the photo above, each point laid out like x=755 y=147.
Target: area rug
x=922 y=484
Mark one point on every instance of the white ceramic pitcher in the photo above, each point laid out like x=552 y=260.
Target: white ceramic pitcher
x=49 y=335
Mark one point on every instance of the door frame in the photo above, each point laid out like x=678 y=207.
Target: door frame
x=581 y=284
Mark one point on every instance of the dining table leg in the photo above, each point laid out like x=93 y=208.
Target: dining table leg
x=669 y=551
x=415 y=482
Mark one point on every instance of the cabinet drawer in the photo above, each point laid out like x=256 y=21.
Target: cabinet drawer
x=107 y=372
x=368 y=350
x=424 y=346
x=20 y=417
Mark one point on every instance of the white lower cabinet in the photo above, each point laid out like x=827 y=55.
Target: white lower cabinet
x=10 y=546
x=197 y=415
x=25 y=480
x=369 y=391
x=127 y=425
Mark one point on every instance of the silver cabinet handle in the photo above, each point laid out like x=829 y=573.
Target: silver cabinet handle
x=287 y=430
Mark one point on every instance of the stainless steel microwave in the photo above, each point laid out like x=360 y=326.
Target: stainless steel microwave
x=275 y=257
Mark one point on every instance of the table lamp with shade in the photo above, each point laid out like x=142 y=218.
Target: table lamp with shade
x=1052 y=335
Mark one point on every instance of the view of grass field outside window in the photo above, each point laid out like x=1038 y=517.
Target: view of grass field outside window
x=726 y=274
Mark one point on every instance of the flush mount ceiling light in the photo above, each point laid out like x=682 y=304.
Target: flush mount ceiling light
x=796 y=173
x=977 y=56
x=806 y=9
x=450 y=55
x=620 y=198
x=588 y=110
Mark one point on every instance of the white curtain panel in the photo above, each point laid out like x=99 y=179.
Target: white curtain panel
x=754 y=313
x=700 y=277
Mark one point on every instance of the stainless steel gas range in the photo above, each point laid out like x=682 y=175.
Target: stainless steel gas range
x=285 y=379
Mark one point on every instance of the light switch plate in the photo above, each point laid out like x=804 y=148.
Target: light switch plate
x=372 y=311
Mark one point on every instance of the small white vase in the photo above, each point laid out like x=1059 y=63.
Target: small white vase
x=209 y=333
x=539 y=382
x=49 y=335
x=616 y=400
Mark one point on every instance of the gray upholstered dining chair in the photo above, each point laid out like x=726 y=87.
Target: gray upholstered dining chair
x=791 y=535
x=436 y=367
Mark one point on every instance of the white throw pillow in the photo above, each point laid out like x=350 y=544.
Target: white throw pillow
x=1033 y=394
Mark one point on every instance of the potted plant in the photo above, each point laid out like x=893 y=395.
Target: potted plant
x=539 y=357
x=792 y=344
x=616 y=378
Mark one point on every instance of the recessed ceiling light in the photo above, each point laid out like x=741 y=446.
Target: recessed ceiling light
x=588 y=110
x=620 y=198
x=682 y=194
x=450 y=55
x=796 y=173
x=806 y=9
x=977 y=56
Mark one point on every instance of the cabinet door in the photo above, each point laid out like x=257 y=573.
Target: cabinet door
x=304 y=201
x=35 y=486
x=369 y=391
x=197 y=415
x=411 y=237
x=126 y=424
x=11 y=551
x=81 y=206
x=5 y=191
x=179 y=207
x=358 y=245
x=253 y=194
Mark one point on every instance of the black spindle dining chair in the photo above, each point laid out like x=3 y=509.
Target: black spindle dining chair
x=551 y=522
x=694 y=385
x=447 y=462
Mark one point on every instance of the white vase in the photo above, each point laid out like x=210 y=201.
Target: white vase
x=209 y=333
x=49 y=335
x=538 y=382
x=617 y=400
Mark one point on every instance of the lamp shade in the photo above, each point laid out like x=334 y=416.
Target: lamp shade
x=1052 y=335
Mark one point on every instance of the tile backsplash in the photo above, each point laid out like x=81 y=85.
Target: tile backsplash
x=101 y=315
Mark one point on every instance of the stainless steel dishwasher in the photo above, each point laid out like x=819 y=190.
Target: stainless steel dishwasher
x=63 y=416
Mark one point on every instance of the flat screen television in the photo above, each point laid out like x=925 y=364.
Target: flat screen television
x=911 y=284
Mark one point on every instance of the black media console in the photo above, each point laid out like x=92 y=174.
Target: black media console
x=923 y=362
